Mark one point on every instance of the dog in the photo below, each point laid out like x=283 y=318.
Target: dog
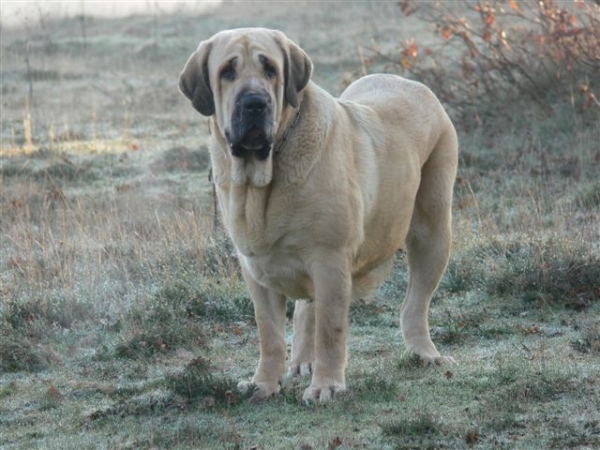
x=318 y=193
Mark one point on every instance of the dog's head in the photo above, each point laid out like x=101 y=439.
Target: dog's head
x=246 y=78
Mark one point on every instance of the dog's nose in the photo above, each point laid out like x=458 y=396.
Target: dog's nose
x=254 y=103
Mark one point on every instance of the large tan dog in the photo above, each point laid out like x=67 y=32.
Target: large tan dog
x=319 y=193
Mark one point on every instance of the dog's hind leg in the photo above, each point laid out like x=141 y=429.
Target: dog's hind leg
x=303 y=341
x=428 y=246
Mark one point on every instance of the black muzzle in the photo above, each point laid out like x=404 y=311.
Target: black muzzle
x=251 y=125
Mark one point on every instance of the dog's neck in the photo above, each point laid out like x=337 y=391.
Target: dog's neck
x=281 y=143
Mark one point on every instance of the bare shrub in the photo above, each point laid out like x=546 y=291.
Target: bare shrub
x=542 y=272
x=198 y=382
x=487 y=53
x=19 y=353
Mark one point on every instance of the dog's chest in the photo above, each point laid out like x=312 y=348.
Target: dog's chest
x=261 y=226
x=282 y=273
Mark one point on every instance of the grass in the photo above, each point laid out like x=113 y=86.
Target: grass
x=124 y=322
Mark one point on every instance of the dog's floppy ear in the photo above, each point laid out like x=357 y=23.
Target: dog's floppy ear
x=194 y=80
x=297 y=68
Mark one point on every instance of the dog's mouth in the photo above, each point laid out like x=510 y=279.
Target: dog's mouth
x=251 y=127
x=255 y=140
x=251 y=163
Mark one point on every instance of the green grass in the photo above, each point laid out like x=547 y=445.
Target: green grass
x=124 y=321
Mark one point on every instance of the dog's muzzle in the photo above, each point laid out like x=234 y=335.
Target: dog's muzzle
x=251 y=125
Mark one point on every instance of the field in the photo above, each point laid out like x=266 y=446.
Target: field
x=124 y=322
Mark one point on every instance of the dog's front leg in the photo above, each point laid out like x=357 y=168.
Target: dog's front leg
x=269 y=311
x=333 y=286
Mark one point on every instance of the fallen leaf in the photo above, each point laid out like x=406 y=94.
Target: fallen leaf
x=411 y=50
x=447 y=33
x=472 y=437
x=53 y=393
x=231 y=398
x=337 y=442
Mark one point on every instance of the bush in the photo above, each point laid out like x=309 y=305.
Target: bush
x=423 y=430
x=177 y=313
x=18 y=353
x=489 y=52
x=588 y=197
x=534 y=271
x=162 y=329
x=197 y=382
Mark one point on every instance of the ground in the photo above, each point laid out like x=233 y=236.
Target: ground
x=124 y=322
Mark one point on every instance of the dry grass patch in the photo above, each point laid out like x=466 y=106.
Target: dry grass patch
x=117 y=289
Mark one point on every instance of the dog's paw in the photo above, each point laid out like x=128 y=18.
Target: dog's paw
x=322 y=392
x=432 y=359
x=436 y=360
x=428 y=354
x=442 y=360
x=260 y=391
x=300 y=368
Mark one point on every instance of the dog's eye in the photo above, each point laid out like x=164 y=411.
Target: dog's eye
x=270 y=70
x=228 y=73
